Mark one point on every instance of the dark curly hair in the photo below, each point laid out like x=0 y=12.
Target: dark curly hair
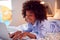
x=38 y=9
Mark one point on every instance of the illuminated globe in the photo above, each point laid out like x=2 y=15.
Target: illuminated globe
x=5 y=15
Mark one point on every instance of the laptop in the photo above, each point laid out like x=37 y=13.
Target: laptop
x=4 y=32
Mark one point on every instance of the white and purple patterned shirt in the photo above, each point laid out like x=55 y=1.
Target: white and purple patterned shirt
x=41 y=29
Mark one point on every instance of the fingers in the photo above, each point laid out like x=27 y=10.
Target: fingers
x=15 y=37
x=11 y=35
x=19 y=36
x=14 y=34
x=18 y=32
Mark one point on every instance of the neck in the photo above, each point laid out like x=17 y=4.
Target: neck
x=33 y=23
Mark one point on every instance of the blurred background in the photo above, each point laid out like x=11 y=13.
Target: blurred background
x=10 y=11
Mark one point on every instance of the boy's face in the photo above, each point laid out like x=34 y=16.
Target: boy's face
x=30 y=16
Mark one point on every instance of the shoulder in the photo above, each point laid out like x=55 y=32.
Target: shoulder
x=52 y=26
x=50 y=23
x=56 y=25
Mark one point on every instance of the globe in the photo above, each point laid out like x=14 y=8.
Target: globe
x=5 y=15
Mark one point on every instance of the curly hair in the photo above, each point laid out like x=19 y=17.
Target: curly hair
x=38 y=9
